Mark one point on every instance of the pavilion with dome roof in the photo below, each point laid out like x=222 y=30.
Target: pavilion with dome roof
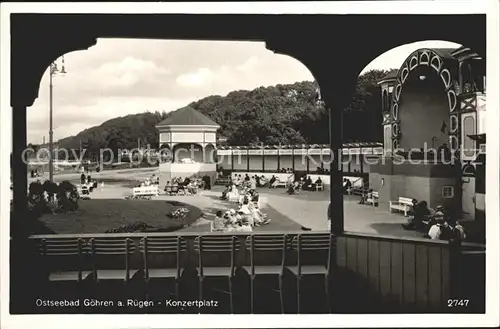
x=187 y=140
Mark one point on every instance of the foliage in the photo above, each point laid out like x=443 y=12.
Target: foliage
x=50 y=187
x=286 y=114
x=179 y=214
x=37 y=204
x=67 y=197
x=131 y=228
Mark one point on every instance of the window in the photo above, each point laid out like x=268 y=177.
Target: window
x=448 y=192
x=469 y=128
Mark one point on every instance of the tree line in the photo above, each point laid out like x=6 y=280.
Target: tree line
x=281 y=114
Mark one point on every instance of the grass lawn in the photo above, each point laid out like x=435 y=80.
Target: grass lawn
x=100 y=215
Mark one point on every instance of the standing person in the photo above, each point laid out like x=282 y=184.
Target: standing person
x=253 y=184
x=347 y=185
x=206 y=181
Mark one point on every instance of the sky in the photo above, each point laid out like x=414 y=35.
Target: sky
x=118 y=77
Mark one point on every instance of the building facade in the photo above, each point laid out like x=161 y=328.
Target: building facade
x=433 y=112
x=187 y=142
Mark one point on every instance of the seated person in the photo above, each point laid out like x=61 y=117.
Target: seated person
x=254 y=196
x=318 y=181
x=186 y=181
x=347 y=185
x=258 y=217
x=366 y=196
x=308 y=184
x=225 y=192
x=228 y=220
x=191 y=188
x=439 y=211
x=247 y=178
x=262 y=181
x=253 y=184
x=272 y=181
x=83 y=179
x=293 y=188
x=418 y=214
x=437 y=227
x=218 y=223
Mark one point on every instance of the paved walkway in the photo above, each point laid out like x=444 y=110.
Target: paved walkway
x=307 y=209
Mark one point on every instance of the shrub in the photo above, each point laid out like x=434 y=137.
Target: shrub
x=67 y=197
x=37 y=204
x=131 y=228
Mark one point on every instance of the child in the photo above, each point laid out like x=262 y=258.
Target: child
x=218 y=223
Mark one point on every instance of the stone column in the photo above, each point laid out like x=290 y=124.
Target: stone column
x=19 y=167
x=336 y=93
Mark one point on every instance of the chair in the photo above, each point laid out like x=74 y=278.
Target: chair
x=319 y=187
x=307 y=247
x=171 y=248
x=214 y=250
x=265 y=243
x=66 y=251
x=105 y=252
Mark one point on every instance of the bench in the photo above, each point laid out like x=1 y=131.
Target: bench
x=403 y=204
x=145 y=191
x=280 y=183
x=360 y=191
x=373 y=200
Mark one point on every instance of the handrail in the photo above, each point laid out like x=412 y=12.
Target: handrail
x=378 y=237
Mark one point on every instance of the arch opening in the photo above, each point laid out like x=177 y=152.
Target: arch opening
x=423 y=111
x=187 y=153
x=210 y=153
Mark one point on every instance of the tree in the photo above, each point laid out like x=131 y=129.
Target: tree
x=286 y=114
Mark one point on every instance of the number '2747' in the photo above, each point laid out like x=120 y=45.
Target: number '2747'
x=458 y=302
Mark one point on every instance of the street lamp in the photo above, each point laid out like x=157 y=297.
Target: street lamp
x=52 y=72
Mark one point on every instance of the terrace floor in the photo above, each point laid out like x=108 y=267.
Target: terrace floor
x=288 y=212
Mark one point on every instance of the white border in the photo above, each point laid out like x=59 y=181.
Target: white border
x=217 y=321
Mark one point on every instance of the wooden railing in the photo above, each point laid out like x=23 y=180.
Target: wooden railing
x=373 y=274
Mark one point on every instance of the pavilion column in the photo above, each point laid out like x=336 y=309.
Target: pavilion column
x=337 y=98
x=19 y=167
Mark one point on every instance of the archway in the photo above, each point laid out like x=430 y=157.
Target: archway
x=186 y=152
x=433 y=73
x=423 y=111
x=165 y=154
x=210 y=153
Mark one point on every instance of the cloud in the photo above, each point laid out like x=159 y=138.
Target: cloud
x=394 y=58
x=196 y=79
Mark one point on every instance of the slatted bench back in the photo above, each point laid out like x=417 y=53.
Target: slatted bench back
x=166 y=252
x=216 y=250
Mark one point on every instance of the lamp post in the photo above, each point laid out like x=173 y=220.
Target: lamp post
x=52 y=72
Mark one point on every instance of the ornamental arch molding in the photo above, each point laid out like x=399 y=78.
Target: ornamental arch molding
x=447 y=69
